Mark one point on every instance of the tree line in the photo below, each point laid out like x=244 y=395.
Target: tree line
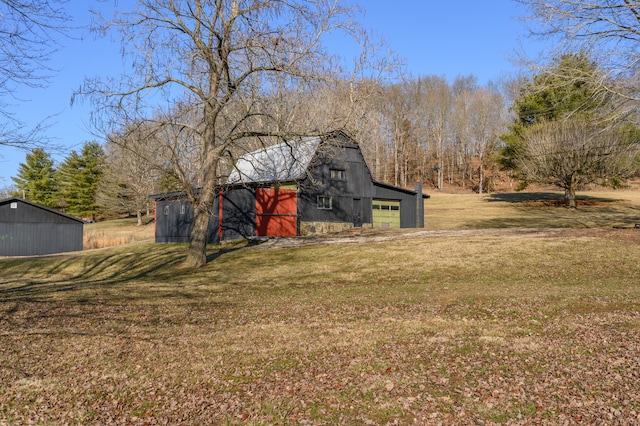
x=419 y=129
x=559 y=129
x=210 y=80
x=98 y=181
x=434 y=131
x=70 y=187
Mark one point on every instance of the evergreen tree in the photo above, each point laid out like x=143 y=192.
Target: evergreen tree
x=566 y=88
x=36 y=180
x=78 y=176
x=567 y=132
x=169 y=181
x=562 y=90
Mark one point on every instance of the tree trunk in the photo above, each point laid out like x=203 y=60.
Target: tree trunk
x=202 y=208
x=197 y=252
x=570 y=197
x=139 y=216
x=480 y=177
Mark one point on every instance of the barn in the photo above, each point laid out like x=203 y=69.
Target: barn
x=28 y=229
x=312 y=185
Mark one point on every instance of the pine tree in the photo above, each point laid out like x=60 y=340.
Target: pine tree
x=36 y=180
x=567 y=131
x=563 y=90
x=79 y=175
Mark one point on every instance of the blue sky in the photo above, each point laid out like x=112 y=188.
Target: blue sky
x=434 y=37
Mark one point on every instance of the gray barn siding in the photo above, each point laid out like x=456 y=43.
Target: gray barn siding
x=172 y=226
x=32 y=230
x=238 y=214
x=356 y=185
x=34 y=239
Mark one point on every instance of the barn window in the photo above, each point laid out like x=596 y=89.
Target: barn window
x=338 y=174
x=14 y=205
x=324 y=202
x=183 y=208
x=166 y=210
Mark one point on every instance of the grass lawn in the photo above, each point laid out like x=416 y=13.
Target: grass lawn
x=460 y=324
x=598 y=209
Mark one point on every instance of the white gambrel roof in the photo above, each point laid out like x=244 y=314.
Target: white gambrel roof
x=283 y=162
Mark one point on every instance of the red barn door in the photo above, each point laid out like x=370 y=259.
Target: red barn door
x=276 y=212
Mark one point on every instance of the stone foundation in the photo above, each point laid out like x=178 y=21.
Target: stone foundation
x=315 y=228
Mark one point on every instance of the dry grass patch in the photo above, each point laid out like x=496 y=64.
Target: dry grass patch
x=456 y=328
x=432 y=326
x=116 y=232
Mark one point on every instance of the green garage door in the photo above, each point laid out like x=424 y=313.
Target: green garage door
x=386 y=214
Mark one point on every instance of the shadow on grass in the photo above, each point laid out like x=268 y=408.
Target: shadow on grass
x=551 y=199
x=222 y=250
x=142 y=273
x=547 y=210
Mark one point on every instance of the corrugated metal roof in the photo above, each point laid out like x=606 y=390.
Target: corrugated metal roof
x=283 y=162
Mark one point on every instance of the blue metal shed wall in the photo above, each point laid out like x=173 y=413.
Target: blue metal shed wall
x=31 y=239
x=29 y=230
x=29 y=213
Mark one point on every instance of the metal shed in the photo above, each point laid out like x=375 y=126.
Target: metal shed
x=28 y=229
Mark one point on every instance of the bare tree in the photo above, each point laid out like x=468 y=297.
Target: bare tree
x=437 y=104
x=367 y=126
x=608 y=30
x=226 y=60
x=27 y=41
x=424 y=128
x=486 y=122
x=574 y=152
x=396 y=108
x=461 y=157
x=6 y=191
x=129 y=173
